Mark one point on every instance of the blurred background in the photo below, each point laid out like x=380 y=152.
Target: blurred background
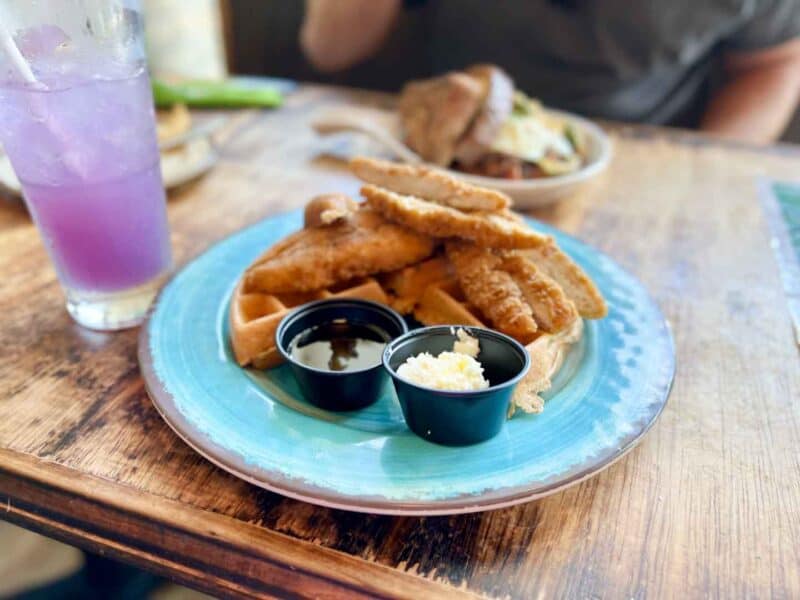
x=263 y=37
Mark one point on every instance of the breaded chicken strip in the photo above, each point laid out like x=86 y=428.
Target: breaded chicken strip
x=552 y=309
x=492 y=290
x=319 y=257
x=427 y=183
x=574 y=281
x=485 y=229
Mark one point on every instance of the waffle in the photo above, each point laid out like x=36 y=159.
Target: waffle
x=254 y=317
x=430 y=292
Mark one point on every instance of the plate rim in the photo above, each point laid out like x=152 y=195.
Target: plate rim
x=298 y=489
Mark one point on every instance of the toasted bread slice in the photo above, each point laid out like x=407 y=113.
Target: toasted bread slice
x=498 y=102
x=436 y=113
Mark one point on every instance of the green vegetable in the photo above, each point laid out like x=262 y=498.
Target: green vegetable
x=572 y=137
x=559 y=165
x=576 y=140
x=214 y=94
x=525 y=106
x=522 y=104
x=519 y=106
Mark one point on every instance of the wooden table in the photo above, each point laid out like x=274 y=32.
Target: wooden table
x=707 y=505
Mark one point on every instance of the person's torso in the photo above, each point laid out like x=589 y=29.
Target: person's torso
x=621 y=59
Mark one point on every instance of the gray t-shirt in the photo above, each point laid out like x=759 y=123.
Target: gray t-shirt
x=641 y=60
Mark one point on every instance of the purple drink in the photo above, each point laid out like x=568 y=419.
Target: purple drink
x=82 y=141
x=105 y=236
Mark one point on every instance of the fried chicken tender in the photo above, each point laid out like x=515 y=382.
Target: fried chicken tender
x=492 y=290
x=485 y=229
x=575 y=282
x=431 y=184
x=552 y=310
x=320 y=257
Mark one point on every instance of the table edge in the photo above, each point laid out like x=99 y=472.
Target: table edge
x=115 y=520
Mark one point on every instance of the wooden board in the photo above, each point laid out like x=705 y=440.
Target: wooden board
x=708 y=505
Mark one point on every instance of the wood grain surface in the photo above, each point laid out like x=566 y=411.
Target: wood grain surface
x=707 y=505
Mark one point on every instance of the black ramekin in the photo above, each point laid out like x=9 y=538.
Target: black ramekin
x=338 y=390
x=458 y=418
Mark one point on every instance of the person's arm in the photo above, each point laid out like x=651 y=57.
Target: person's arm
x=760 y=96
x=337 y=34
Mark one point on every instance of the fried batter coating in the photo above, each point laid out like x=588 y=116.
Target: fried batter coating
x=320 y=257
x=552 y=310
x=575 y=282
x=485 y=229
x=427 y=183
x=492 y=290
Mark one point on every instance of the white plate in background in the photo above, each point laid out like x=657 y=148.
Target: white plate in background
x=526 y=193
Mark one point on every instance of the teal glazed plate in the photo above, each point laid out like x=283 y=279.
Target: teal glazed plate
x=255 y=424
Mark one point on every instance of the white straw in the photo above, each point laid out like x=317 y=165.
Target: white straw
x=10 y=48
x=36 y=104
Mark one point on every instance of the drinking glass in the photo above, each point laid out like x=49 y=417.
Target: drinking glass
x=78 y=124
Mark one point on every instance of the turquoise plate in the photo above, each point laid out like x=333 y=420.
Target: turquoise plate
x=256 y=425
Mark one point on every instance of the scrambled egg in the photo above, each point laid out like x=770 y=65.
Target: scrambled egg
x=466 y=344
x=457 y=370
x=533 y=135
x=530 y=138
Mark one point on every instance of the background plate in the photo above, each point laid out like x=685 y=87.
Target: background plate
x=256 y=425
x=526 y=193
